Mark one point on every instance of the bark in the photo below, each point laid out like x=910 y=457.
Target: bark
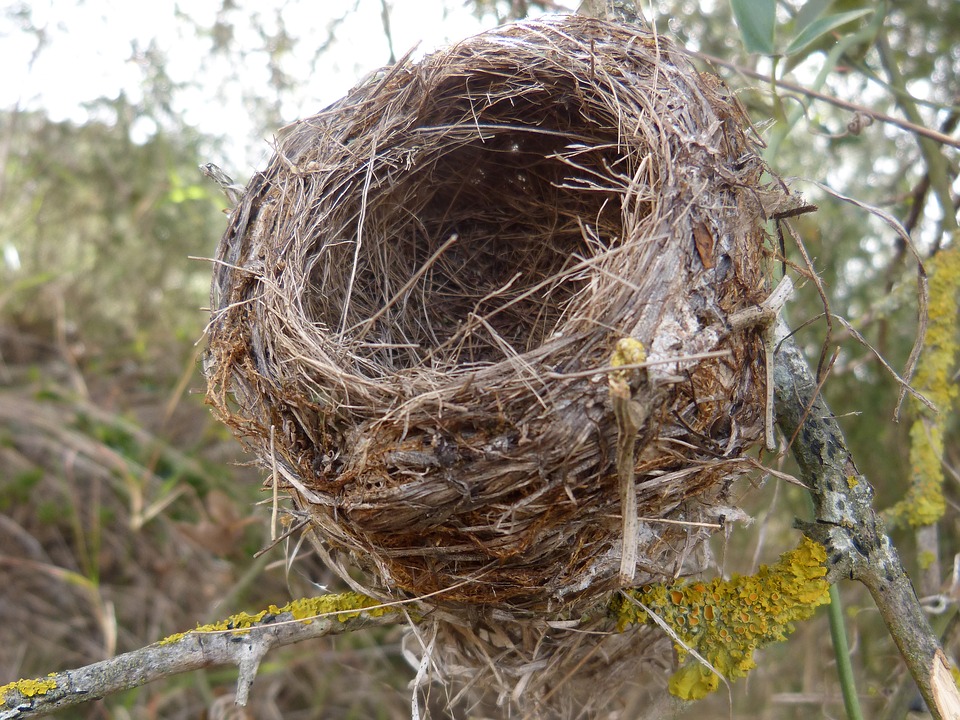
x=846 y=524
x=191 y=651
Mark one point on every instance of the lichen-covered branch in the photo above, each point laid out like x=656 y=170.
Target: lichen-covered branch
x=240 y=640
x=846 y=524
x=725 y=621
x=924 y=503
x=721 y=621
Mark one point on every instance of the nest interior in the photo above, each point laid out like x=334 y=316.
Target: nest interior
x=415 y=306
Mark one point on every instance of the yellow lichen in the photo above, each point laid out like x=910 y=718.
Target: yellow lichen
x=28 y=688
x=628 y=351
x=343 y=607
x=724 y=621
x=924 y=503
x=926 y=559
x=170 y=639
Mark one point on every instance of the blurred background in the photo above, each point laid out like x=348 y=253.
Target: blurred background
x=127 y=513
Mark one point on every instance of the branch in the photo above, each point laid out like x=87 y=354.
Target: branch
x=240 y=640
x=913 y=128
x=847 y=525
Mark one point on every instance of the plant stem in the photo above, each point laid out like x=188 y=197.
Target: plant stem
x=841 y=650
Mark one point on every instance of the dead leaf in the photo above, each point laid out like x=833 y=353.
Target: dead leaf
x=705 y=244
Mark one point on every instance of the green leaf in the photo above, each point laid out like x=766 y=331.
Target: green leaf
x=820 y=27
x=811 y=10
x=756 y=20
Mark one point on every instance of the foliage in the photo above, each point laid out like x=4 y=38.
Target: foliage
x=88 y=214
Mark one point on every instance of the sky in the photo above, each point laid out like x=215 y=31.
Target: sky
x=95 y=49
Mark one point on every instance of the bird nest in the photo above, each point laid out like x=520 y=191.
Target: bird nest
x=429 y=305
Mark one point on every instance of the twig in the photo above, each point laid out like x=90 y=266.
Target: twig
x=923 y=292
x=937 y=167
x=847 y=525
x=934 y=135
x=243 y=647
x=387 y=32
x=233 y=191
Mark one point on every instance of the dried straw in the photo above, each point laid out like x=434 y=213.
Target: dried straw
x=417 y=302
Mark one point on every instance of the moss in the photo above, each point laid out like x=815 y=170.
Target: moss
x=725 y=621
x=28 y=688
x=924 y=503
x=343 y=607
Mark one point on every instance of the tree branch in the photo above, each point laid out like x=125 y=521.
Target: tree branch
x=847 y=525
x=241 y=640
x=913 y=128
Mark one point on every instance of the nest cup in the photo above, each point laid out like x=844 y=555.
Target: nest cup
x=416 y=304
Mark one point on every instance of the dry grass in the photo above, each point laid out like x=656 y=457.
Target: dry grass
x=124 y=518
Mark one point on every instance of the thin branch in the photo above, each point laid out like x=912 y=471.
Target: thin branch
x=847 y=525
x=937 y=167
x=910 y=127
x=388 y=33
x=244 y=647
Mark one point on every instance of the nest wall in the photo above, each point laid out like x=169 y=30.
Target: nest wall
x=415 y=306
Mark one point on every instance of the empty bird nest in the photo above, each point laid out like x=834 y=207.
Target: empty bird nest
x=429 y=305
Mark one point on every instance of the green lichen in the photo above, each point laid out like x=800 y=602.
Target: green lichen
x=924 y=503
x=343 y=607
x=28 y=688
x=725 y=621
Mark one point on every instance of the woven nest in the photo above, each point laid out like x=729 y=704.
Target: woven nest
x=416 y=304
